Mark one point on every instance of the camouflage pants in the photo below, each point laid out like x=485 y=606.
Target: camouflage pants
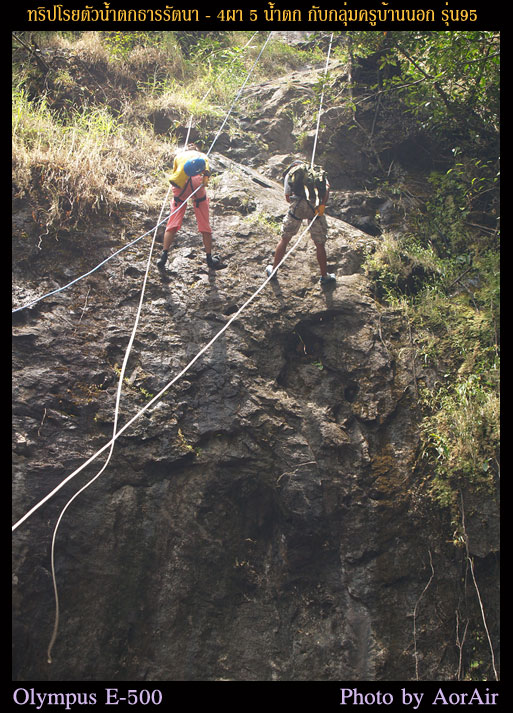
x=301 y=210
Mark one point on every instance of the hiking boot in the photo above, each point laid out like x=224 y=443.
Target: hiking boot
x=161 y=262
x=269 y=271
x=215 y=262
x=327 y=279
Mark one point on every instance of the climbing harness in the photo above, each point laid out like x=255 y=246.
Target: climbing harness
x=163 y=391
x=117 y=433
x=178 y=199
x=136 y=240
x=120 y=383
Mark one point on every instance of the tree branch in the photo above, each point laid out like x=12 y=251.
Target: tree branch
x=36 y=53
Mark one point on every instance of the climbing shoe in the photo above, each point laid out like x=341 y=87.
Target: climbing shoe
x=161 y=262
x=215 y=262
x=269 y=271
x=327 y=279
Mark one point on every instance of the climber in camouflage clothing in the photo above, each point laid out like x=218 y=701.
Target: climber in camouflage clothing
x=307 y=190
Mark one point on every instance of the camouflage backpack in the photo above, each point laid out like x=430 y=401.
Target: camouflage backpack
x=309 y=182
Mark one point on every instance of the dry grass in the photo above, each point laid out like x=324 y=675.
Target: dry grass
x=88 y=165
x=98 y=150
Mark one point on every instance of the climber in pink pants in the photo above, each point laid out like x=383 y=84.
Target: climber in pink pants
x=200 y=203
x=190 y=172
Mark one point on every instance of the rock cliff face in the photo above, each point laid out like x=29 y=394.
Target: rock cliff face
x=260 y=521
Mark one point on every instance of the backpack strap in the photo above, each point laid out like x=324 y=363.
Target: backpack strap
x=295 y=180
x=290 y=167
x=178 y=199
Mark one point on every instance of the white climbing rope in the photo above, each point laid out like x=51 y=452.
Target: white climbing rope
x=321 y=102
x=212 y=87
x=117 y=433
x=122 y=375
x=136 y=240
x=86 y=274
x=240 y=92
x=158 y=396
x=58 y=487
x=116 y=416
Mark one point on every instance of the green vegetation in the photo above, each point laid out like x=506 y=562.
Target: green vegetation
x=444 y=272
x=90 y=139
x=75 y=164
x=97 y=117
x=449 y=81
x=91 y=136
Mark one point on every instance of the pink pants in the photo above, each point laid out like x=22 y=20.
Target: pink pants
x=200 y=203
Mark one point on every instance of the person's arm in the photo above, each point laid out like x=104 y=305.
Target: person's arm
x=206 y=172
x=174 y=172
x=286 y=188
x=322 y=205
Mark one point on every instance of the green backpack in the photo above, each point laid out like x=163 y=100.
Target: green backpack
x=309 y=182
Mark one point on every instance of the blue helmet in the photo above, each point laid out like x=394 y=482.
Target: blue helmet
x=194 y=166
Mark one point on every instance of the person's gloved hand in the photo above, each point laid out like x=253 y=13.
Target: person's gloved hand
x=320 y=209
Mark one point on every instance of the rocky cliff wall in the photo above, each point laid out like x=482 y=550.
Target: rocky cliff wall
x=260 y=522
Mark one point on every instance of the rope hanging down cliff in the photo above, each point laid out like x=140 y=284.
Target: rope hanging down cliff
x=121 y=377
x=158 y=396
x=47 y=497
x=123 y=369
x=116 y=433
x=161 y=222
